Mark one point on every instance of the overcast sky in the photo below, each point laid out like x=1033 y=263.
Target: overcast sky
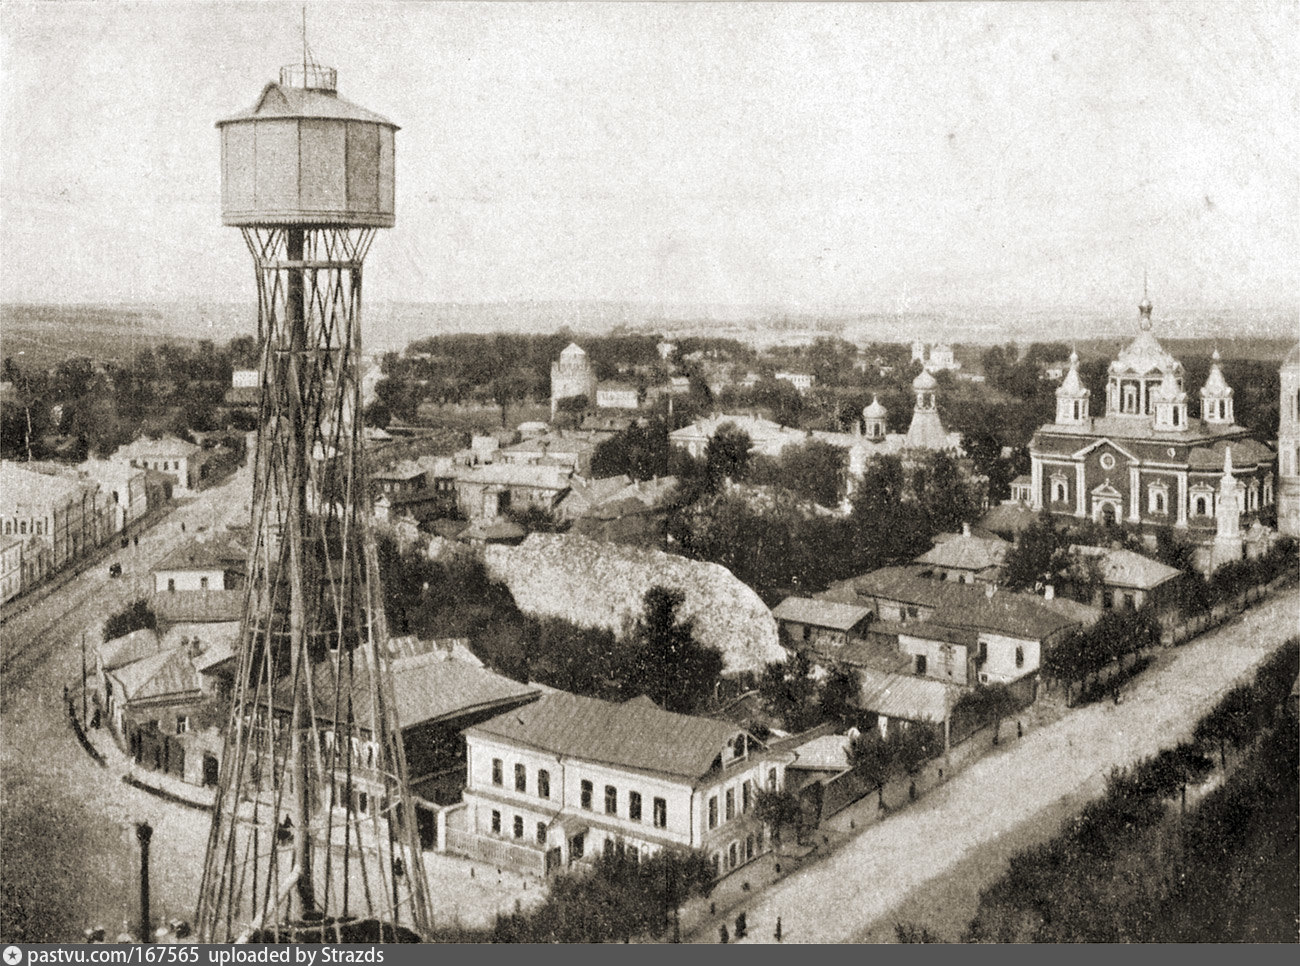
x=871 y=157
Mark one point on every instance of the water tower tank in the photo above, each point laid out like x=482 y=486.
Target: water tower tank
x=304 y=156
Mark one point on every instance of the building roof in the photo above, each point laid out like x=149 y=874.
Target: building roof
x=167 y=447
x=282 y=100
x=166 y=674
x=131 y=647
x=572 y=350
x=217 y=641
x=405 y=470
x=453 y=648
x=821 y=613
x=517 y=474
x=965 y=551
x=1124 y=568
x=823 y=753
x=498 y=529
x=615 y=386
x=216 y=553
x=20 y=486
x=878 y=649
x=636 y=734
x=1010 y=518
x=965 y=605
x=428 y=687
x=907 y=696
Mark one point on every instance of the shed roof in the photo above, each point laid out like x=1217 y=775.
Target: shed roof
x=963 y=551
x=636 y=734
x=821 y=613
x=217 y=553
x=166 y=674
x=1124 y=568
x=121 y=651
x=909 y=697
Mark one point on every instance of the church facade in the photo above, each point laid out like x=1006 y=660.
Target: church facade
x=1146 y=460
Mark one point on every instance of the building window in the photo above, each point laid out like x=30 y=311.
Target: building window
x=519 y=826
x=541 y=833
x=586 y=794
x=749 y=847
x=22 y=527
x=731 y=804
x=745 y=796
x=203 y=583
x=521 y=778
x=1201 y=505
x=661 y=813
x=771 y=779
x=498 y=772
x=1107 y=599
x=807 y=632
x=182 y=724
x=363 y=802
x=717 y=865
x=40 y=527
x=1129 y=602
x=611 y=800
x=920 y=664
x=732 y=857
x=496 y=822
x=634 y=806
x=543 y=783
x=1060 y=490
x=1107 y=461
x=1020 y=656
x=1158 y=502
x=171 y=585
x=713 y=811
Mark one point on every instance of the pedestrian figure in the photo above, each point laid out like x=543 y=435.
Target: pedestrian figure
x=722 y=934
x=778 y=929
x=1020 y=730
x=182 y=528
x=713 y=908
x=911 y=791
x=135 y=541
x=741 y=926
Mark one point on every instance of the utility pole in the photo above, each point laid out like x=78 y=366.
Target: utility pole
x=84 y=721
x=144 y=832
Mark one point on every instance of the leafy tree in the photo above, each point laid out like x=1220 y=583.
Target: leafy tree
x=1030 y=562
x=989 y=702
x=946 y=498
x=779 y=808
x=874 y=758
x=789 y=693
x=839 y=695
x=537 y=519
x=910 y=932
x=137 y=615
x=679 y=673
x=726 y=455
x=913 y=747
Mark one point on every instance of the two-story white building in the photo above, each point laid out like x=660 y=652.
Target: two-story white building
x=570 y=777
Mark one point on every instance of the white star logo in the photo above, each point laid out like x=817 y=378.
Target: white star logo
x=13 y=955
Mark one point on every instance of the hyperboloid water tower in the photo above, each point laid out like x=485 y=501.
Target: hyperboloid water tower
x=313 y=833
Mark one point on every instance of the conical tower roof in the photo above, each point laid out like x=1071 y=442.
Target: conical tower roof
x=1071 y=385
x=1169 y=390
x=1215 y=384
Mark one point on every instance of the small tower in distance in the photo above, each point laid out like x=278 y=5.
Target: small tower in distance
x=572 y=376
x=1288 y=447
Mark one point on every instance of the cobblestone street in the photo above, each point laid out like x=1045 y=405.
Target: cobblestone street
x=945 y=848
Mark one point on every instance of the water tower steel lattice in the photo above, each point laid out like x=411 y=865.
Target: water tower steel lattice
x=314 y=825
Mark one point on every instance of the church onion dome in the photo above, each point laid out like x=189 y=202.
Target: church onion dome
x=925 y=381
x=875 y=410
x=1071 y=385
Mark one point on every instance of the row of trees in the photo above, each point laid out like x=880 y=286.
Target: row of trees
x=902 y=752
x=790 y=693
x=1087 y=652
x=1130 y=869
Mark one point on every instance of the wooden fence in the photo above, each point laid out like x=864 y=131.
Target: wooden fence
x=498 y=852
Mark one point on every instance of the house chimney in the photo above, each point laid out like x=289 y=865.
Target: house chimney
x=965 y=529
x=1049 y=592
x=990 y=590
